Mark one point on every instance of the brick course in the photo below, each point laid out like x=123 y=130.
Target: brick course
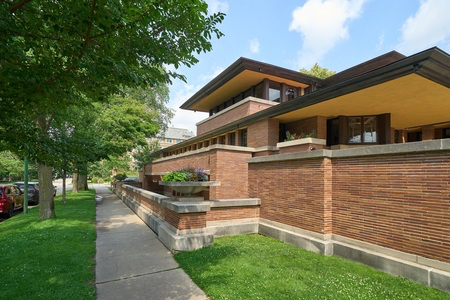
x=231 y=213
x=228 y=167
x=291 y=192
x=263 y=133
x=401 y=202
x=396 y=201
x=234 y=114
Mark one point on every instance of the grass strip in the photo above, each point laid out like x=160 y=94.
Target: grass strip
x=258 y=267
x=51 y=259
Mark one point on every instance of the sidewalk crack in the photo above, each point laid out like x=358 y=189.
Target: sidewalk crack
x=135 y=276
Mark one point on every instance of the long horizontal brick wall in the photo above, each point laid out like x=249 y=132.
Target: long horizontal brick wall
x=232 y=213
x=191 y=220
x=185 y=221
x=229 y=167
x=240 y=111
x=397 y=201
x=291 y=192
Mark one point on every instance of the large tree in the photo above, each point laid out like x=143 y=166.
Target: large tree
x=318 y=71
x=57 y=54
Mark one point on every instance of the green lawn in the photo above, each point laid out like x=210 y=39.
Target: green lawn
x=258 y=267
x=52 y=259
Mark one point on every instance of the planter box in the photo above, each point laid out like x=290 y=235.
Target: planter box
x=301 y=145
x=188 y=188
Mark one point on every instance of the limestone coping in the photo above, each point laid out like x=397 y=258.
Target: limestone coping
x=302 y=142
x=160 y=199
x=190 y=183
x=164 y=173
x=390 y=149
x=187 y=207
x=235 y=202
x=191 y=207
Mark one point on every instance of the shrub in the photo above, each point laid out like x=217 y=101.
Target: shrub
x=120 y=177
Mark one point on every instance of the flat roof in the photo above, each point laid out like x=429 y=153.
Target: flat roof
x=241 y=75
x=432 y=64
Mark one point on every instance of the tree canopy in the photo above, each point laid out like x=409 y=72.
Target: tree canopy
x=59 y=58
x=318 y=71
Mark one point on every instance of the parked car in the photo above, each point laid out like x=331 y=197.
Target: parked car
x=131 y=179
x=33 y=191
x=11 y=199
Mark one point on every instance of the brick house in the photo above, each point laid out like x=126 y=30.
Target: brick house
x=355 y=165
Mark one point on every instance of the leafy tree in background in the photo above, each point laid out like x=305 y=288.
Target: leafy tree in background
x=55 y=55
x=318 y=71
x=142 y=154
x=11 y=167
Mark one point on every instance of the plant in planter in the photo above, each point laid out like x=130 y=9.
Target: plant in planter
x=188 y=181
x=187 y=174
x=301 y=135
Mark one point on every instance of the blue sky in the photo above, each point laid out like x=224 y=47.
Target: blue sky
x=337 y=34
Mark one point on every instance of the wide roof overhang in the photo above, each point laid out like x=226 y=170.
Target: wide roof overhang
x=415 y=90
x=240 y=76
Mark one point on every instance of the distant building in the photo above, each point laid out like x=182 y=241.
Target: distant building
x=172 y=136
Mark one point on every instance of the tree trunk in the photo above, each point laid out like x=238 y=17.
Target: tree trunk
x=64 y=187
x=82 y=183
x=46 y=200
x=75 y=183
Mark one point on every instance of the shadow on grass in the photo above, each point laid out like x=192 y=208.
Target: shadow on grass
x=51 y=259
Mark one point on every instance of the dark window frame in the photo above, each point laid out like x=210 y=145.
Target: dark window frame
x=361 y=127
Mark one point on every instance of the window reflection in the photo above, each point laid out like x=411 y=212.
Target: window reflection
x=354 y=130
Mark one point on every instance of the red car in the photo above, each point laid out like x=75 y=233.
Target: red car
x=11 y=199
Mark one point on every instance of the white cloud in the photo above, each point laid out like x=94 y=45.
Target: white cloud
x=428 y=27
x=254 y=46
x=380 y=41
x=209 y=77
x=215 y=6
x=186 y=118
x=322 y=24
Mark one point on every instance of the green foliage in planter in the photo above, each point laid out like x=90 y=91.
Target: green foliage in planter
x=301 y=135
x=175 y=176
x=187 y=174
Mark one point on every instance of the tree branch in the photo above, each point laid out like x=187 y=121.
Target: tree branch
x=18 y=5
x=118 y=27
x=88 y=31
x=49 y=122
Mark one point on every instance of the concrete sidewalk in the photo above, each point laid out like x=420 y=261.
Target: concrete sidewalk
x=131 y=262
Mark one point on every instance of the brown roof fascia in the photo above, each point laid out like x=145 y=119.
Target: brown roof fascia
x=364 y=67
x=433 y=64
x=247 y=64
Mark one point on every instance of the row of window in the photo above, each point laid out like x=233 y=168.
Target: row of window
x=168 y=140
x=266 y=89
x=237 y=138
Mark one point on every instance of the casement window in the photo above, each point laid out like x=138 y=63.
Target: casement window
x=274 y=91
x=243 y=138
x=362 y=130
x=232 y=139
x=446 y=133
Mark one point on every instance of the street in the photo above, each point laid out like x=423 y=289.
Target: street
x=58 y=183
